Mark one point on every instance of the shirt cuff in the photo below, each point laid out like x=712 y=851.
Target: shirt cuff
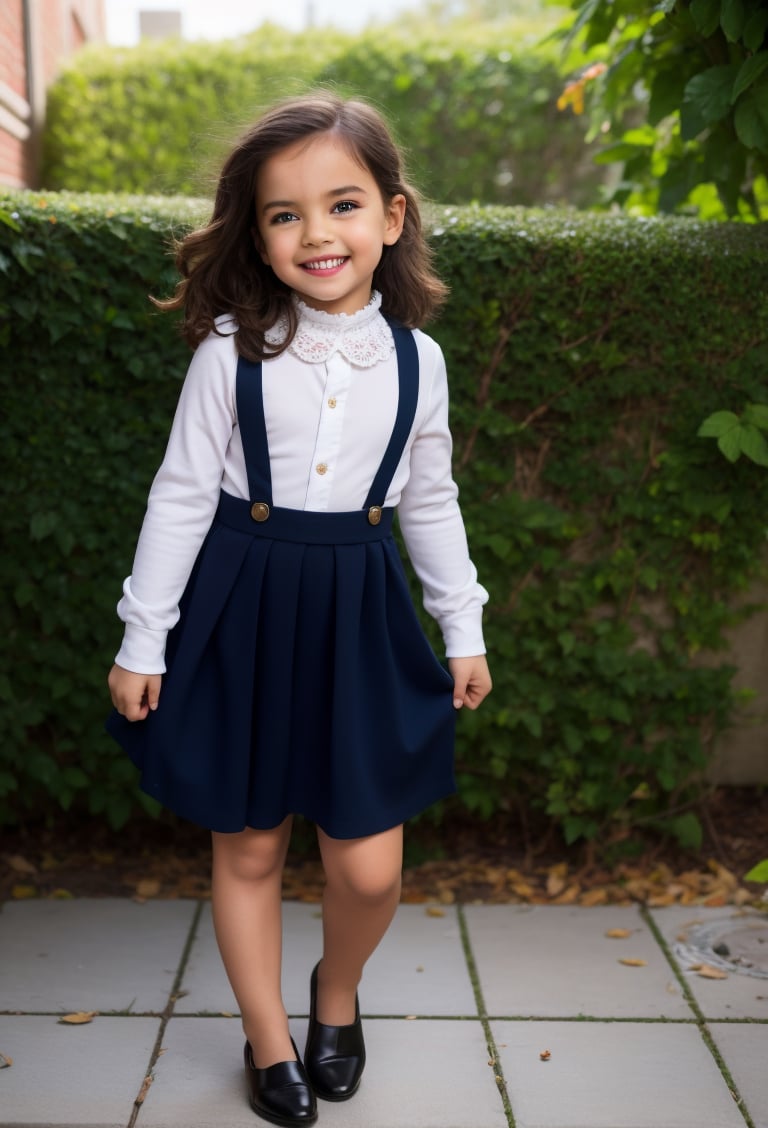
x=142 y=650
x=463 y=636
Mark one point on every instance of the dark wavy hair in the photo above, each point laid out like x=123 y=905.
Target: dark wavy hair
x=221 y=269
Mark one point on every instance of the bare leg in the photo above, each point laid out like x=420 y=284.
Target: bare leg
x=247 y=916
x=361 y=895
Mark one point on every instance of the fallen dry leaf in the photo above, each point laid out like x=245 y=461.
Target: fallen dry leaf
x=556 y=879
x=411 y=1017
x=593 y=897
x=20 y=864
x=79 y=1018
x=707 y=972
x=148 y=887
x=633 y=963
x=432 y=911
x=5 y=1061
x=144 y=1089
x=545 y=1055
x=619 y=933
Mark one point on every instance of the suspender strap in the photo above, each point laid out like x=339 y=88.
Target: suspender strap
x=408 y=378
x=253 y=429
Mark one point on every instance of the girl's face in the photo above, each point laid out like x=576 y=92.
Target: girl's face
x=322 y=223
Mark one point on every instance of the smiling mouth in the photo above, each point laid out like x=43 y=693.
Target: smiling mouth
x=321 y=266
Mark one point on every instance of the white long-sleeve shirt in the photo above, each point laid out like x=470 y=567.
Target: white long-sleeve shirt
x=329 y=404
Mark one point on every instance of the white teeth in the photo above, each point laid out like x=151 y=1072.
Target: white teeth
x=324 y=264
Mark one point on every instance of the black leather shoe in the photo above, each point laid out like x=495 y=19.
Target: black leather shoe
x=335 y=1055
x=280 y=1093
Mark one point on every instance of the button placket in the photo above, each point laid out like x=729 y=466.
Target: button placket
x=329 y=431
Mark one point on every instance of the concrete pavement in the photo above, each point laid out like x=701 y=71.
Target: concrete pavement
x=481 y=1016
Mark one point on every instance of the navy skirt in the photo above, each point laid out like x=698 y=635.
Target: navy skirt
x=299 y=679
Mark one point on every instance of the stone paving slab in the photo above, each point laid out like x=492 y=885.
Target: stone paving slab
x=105 y=955
x=738 y=996
x=421 y=1074
x=612 y=1075
x=419 y=967
x=556 y=962
x=744 y=1048
x=73 y=1076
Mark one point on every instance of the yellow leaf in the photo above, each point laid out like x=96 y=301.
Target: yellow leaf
x=149 y=887
x=79 y=1018
x=432 y=911
x=633 y=963
x=23 y=892
x=61 y=895
x=619 y=933
x=447 y=896
x=707 y=972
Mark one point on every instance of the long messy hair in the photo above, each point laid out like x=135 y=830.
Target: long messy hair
x=221 y=269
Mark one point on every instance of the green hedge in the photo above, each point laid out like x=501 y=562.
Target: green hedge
x=476 y=111
x=584 y=351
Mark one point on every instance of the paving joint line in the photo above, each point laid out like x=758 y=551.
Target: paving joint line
x=474 y=978
x=701 y=1020
x=166 y=1016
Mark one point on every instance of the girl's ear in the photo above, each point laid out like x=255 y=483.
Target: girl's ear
x=395 y=219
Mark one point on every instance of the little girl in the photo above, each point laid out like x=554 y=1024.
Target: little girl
x=267 y=594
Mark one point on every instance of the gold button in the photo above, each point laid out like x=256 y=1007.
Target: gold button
x=332 y=401
x=321 y=467
x=260 y=511
x=374 y=514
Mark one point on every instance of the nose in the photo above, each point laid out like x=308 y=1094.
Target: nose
x=316 y=231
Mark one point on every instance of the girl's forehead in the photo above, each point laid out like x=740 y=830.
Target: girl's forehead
x=319 y=150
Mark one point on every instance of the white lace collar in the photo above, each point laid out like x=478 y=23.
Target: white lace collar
x=363 y=338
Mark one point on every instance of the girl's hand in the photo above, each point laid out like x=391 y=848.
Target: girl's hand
x=133 y=695
x=471 y=681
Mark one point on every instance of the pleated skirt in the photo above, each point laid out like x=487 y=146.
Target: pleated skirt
x=299 y=681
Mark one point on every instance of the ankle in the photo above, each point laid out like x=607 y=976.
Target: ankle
x=268 y=1047
x=336 y=1001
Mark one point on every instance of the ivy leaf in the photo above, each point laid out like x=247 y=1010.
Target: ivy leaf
x=709 y=93
x=753 y=444
x=718 y=424
x=751 y=69
x=758 y=872
x=757 y=413
x=730 y=443
x=666 y=94
x=732 y=17
x=750 y=119
x=706 y=16
x=755 y=29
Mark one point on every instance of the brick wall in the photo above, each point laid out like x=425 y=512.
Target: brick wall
x=36 y=37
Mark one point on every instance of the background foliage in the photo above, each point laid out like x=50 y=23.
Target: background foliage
x=475 y=108
x=683 y=101
x=584 y=353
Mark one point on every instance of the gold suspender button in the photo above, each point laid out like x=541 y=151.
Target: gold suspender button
x=260 y=511
x=374 y=514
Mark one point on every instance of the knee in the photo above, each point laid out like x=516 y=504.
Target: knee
x=248 y=857
x=373 y=884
